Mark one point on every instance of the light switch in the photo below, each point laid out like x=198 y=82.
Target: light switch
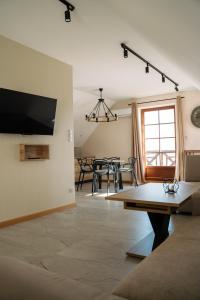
x=69 y=135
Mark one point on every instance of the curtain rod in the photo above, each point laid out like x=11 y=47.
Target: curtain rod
x=156 y=101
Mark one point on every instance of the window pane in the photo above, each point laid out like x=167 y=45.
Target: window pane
x=166 y=115
x=152 y=131
x=151 y=117
x=152 y=145
x=167 y=144
x=167 y=130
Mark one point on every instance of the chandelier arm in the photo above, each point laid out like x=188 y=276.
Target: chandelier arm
x=103 y=104
x=98 y=109
x=90 y=115
x=109 y=110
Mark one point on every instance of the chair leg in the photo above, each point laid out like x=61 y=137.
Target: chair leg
x=135 y=179
x=120 y=179
x=82 y=179
x=93 y=178
x=115 y=181
x=96 y=179
x=78 y=181
x=108 y=184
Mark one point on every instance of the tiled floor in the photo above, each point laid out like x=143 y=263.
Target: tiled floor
x=87 y=243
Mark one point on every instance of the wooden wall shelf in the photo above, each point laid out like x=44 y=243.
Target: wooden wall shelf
x=33 y=152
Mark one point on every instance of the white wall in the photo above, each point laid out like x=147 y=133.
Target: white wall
x=110 y=139
x=191 y=133
x=115 y=138
x=32 y=186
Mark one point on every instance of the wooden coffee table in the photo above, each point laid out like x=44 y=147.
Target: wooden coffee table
x=159 y=206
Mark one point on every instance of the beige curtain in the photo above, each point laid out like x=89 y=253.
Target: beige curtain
x=136 y=146
x=180 y=160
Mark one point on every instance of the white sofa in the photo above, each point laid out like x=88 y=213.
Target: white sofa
x=23 y=281
x=192 y=174
x=171 y=272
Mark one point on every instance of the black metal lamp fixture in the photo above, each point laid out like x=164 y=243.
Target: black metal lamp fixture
x=70 y=7
x=101 y=112
x=127 y=49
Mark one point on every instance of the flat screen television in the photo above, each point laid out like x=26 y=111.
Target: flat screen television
x=24 y=113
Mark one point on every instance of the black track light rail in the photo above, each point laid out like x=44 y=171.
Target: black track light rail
x=125 y=47
x=69 y=5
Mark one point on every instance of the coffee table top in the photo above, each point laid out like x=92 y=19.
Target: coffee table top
x=153 y=193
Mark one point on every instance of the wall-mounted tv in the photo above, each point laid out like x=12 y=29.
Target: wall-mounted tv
x=24 y=113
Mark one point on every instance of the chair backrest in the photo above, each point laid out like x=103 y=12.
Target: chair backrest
x=112 y=158
x=85 y=163
x=192 y=168
x=132 y=161
x=100 y=164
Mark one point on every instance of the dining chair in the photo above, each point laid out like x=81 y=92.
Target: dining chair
x=129 y=167
x=115 y=162
x=112 y=158
x=101 y=167
x=85 y=168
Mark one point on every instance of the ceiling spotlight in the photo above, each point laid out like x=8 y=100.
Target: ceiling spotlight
x=147 y=68
x=163 y=78
x=176 y=88
x=70 y=7
x=67 y=15
x=125 y=53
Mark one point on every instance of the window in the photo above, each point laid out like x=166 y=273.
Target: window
x=158 y=128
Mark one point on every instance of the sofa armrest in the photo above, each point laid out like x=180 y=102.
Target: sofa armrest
x=20 y=280
x=172 y=272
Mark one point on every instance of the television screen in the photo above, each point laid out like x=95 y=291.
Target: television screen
x=26 y=113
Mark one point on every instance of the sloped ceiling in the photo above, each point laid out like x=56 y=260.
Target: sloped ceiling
x=164 y=32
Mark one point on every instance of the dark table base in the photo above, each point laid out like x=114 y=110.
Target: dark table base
x=160 y=224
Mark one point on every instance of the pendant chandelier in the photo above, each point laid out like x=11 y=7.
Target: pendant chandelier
x=101 y=112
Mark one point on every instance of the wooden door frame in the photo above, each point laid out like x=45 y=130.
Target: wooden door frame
x=151 y=171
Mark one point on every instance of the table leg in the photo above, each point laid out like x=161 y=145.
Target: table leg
x=160 y=224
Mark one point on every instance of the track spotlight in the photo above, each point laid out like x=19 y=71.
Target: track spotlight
x=176 y=88
x=147 y=68
x=67 y=15
x=70 y=7
x=125 y=53
x=163 y=78
x=149 y=65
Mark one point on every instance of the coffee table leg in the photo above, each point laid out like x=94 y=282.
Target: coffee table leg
x=160 y=224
